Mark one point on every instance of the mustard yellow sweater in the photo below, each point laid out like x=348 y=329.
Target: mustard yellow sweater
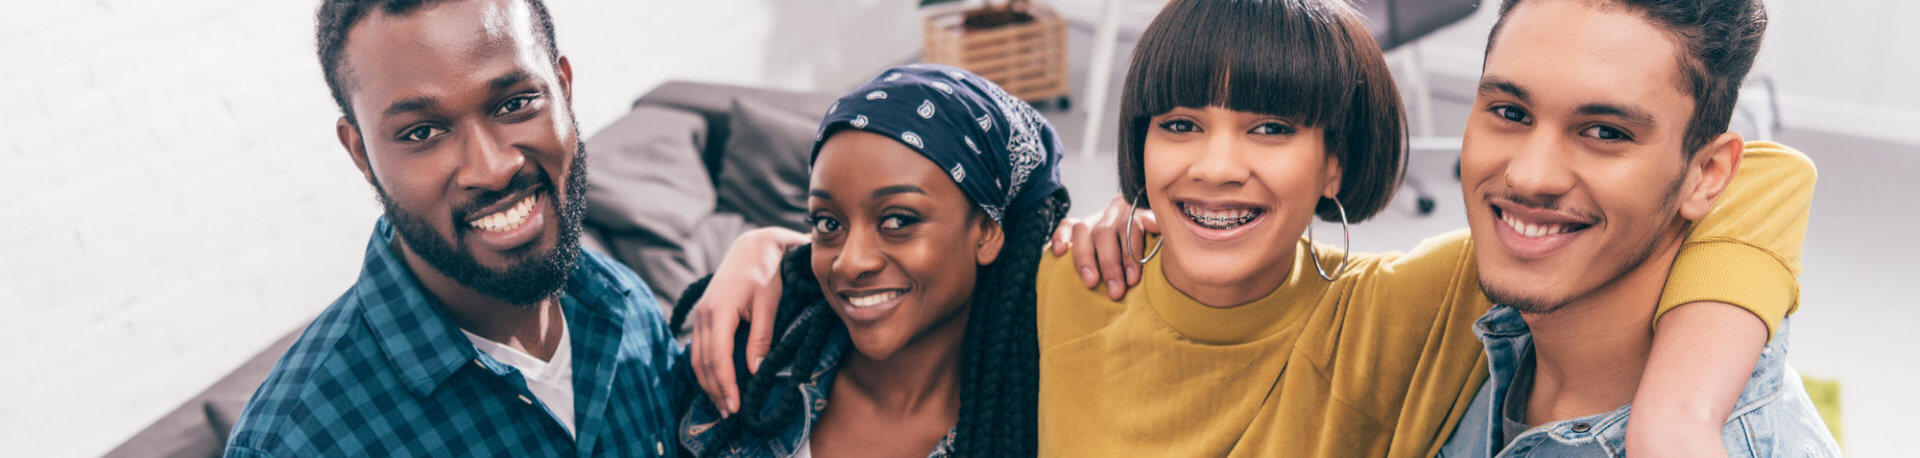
x=1380 y=362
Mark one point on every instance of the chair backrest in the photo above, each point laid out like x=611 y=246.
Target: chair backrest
x=1397 y=22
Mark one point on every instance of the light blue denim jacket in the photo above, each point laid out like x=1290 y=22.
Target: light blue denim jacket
x=1773 y=416
x=696 y=428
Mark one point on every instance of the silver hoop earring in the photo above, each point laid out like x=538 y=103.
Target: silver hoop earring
x=1345 y=249
x=1134 y=207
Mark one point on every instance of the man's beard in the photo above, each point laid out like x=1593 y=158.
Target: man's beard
x=1541 y=304
x=536 y=276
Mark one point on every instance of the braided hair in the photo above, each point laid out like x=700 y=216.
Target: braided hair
x=1000 y=358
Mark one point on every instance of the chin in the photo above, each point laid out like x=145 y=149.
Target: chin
x=1528 y=288
x=1224 y=268
x=1537 y=300
x=873 y=344
x=1215 y=265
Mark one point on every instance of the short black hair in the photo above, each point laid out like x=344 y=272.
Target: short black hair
x=1311 y=61
x=336 y=17
x=1718 y=41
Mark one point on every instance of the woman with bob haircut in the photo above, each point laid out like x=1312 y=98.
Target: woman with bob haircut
x=1242 y=121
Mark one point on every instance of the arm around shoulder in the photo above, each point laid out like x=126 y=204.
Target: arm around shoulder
x=1746 y=251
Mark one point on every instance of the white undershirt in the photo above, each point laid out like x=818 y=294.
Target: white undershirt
x=550 y=381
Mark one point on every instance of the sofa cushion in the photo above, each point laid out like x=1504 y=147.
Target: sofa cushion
x=714 y=101
x=199 y=427
x=763 y=173
x=669 y=269
x=647 y=176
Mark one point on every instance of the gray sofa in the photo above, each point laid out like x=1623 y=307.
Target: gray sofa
x=654 y=204
x=690 y=168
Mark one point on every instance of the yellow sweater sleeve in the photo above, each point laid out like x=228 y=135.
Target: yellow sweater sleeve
x=1746 y=252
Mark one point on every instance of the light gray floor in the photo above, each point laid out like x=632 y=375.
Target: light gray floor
x=1859 y=271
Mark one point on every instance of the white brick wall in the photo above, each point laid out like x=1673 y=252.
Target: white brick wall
x=176 y=199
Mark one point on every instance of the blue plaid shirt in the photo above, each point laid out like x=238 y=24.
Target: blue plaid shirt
x=381 y=372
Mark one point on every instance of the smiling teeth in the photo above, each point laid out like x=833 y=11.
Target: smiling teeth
x=1533 y=230
x=506 y=220
x=872 y=299
x=1220 y=219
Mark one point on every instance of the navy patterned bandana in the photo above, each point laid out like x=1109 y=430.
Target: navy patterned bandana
x=1000 y=151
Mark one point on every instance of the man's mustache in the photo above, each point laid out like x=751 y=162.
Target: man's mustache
x=527 y=178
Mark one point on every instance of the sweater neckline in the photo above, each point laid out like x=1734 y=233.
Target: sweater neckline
x=1284 y=307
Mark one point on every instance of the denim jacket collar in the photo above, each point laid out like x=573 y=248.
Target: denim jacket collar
x=696 y=427
x=1509 y=345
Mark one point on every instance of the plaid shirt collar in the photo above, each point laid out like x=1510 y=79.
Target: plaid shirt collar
x=423 y=345
x=427 y=348
x=384 y=371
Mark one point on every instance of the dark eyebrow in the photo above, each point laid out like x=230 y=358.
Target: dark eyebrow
x=415 y=104
x=898 y=189
x=877 y=193
x=1630 y=115
x=508 y=80
x=1500 y=85
x=418 y=104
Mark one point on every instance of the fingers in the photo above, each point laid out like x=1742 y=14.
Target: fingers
x=1063 y=236
x=766 y=302
x=720 y=361
x=1108 y=252
x=702 y=360
x=1084 y=260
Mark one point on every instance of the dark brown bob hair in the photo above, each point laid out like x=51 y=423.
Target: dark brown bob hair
x=1309 y=61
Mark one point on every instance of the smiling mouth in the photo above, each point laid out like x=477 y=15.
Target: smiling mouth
x=1220 y=217
x=508 y=219
x=1536 y=229
x=872 y=298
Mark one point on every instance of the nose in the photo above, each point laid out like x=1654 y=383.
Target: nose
x=860 y=257
x=489 y=163
x=1220 y=161
x=1540 y=168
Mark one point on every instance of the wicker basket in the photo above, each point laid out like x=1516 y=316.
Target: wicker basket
x=1028 y=59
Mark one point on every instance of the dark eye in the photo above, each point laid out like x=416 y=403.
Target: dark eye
x=1512 y=114
x=1273 y=128
x=513 y=105
x=1179 y=126
x=897 y=222
x=1605 y=133
x=823 y=225
x=421 y=133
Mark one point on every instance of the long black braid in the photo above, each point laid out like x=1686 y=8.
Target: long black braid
x=1000 y=358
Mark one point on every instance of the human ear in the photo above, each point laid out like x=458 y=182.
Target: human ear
x=988 y=239
x=355 y=145
x=565 y=73
x=1330 y=174
x=1710 y=170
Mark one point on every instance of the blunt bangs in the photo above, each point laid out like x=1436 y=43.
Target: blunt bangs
x=1311 y=62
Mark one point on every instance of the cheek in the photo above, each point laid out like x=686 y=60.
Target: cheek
x=1161 y=163
x=416 y=181
x=822 y=264
x=549 y=144
x=1291 y=174
x=1646 y=190
x=1480 y=160
x=943 y=265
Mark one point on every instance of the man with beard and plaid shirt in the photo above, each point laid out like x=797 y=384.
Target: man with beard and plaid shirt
x=478 y=327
